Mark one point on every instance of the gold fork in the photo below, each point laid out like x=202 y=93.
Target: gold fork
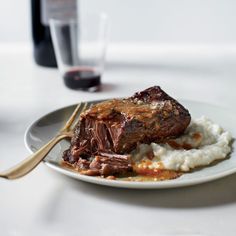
x=28 y=164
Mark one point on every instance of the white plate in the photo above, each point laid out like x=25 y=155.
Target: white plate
x=47 y=126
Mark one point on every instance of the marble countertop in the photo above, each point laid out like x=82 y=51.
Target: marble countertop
x=47 y=203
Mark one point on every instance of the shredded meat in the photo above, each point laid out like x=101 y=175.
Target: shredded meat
x=109 y=130
x=111 y=164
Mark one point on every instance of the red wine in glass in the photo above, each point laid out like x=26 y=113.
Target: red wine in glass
x=82 y=78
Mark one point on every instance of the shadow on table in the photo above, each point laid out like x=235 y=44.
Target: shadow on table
x=171 y=67
x=108 y=87
x=69 y=195
x=219 y=192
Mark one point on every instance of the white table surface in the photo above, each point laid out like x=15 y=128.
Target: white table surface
x=47 y=203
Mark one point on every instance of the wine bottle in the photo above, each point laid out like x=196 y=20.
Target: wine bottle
x=42 y=11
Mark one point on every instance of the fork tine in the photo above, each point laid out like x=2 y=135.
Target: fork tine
x=72 y=118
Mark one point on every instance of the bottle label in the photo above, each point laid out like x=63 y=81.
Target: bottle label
x=57 y=9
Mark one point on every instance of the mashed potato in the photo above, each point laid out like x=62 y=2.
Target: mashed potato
x=202 y=143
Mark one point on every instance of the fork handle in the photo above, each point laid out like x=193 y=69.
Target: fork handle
x=32 y=161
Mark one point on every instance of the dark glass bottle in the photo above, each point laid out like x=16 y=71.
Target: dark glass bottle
x=42 y=11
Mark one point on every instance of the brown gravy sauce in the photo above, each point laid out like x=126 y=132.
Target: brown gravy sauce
x=130 y=108
x=139 y=174
x=141 y=171
x=178 y=146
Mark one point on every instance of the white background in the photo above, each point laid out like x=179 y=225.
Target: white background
x=161 y=21
x=46 y=203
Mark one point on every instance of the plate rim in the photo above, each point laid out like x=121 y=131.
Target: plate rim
x=129 y=184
